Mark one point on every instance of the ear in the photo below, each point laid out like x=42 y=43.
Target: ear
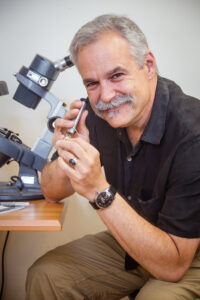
x=150 y=64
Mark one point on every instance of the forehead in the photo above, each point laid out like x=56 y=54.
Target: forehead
x=109 y=48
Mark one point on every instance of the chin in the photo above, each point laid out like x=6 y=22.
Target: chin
x=116 y=121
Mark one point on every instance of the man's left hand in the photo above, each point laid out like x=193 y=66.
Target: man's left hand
x=86 y=175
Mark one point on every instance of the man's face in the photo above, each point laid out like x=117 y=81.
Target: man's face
x=118 y=90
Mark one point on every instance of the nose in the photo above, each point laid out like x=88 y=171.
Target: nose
x=107 y=92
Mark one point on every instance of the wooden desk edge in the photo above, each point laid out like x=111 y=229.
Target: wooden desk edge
x=11 y=221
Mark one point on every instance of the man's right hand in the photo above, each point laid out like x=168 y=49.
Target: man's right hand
x=63 y=124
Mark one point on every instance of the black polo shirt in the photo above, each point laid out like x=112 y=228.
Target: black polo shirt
x=160 y=177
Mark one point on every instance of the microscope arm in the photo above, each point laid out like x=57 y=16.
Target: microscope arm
x=21 y=154
x=43 y=144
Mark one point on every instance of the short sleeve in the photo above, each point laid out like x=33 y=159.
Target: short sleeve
x=180 y=214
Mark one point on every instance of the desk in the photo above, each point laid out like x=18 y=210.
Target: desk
x=38 y=216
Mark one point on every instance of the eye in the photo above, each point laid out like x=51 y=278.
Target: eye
x=117 y=75
x=91 y=84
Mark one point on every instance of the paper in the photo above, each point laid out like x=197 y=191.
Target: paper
x=6 y=209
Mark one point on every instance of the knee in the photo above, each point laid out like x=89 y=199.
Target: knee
x=47 y=279
x=152 y=292
x=37 y=273
x=156 y=295
x=40 y=281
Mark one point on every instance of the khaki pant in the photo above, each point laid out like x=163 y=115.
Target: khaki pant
x=93 y=268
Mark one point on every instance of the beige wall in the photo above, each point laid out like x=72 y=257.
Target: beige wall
x=46 y=27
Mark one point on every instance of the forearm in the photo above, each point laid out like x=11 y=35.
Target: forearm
x=148 y=245
x=54 y=183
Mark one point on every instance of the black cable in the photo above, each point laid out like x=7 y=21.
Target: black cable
x=2 y=265
x=13 y=181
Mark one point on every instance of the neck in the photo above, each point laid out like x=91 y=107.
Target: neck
x=134 y=135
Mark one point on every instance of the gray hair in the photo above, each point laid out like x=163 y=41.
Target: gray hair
x=91 y=31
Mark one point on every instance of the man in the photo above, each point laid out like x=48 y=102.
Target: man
x=146 y=134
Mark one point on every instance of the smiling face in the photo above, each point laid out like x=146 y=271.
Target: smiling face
x=110 y=74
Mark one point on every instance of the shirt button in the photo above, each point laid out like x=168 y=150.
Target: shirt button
x=129 y=158
x=129 y=198
x=119 y=133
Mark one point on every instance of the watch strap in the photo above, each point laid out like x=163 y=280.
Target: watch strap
x=112 y=189
x=93 y=204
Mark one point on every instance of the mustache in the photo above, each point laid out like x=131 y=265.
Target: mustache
x=115 y=102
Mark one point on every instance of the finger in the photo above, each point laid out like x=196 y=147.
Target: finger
x=69 y=171
x=76 y=104
x=74 y=172
x=66 y=155
x=55 y=138
x=84 y=145
x=72 y=113
x=86 y=156
x=67 y=148
x=80 y=173
x=63 y=123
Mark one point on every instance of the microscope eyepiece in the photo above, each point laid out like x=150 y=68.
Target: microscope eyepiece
x=63 y=63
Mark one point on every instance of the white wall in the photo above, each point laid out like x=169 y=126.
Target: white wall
x=46 y=27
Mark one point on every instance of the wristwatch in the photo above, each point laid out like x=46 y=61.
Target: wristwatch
x=104 y=198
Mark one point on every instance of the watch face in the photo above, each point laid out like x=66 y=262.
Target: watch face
x=104 y=199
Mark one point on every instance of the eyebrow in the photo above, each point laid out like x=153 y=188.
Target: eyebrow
x=115 y=70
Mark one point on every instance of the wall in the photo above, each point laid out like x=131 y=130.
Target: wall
x=46 y=27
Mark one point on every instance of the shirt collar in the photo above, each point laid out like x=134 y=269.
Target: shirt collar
x=155 y=128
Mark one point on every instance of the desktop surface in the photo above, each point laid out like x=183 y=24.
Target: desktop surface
x=40 y=215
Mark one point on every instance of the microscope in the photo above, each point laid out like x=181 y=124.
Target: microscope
x=34 y=85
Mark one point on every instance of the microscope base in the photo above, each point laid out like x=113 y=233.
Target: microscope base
x=13 y=193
